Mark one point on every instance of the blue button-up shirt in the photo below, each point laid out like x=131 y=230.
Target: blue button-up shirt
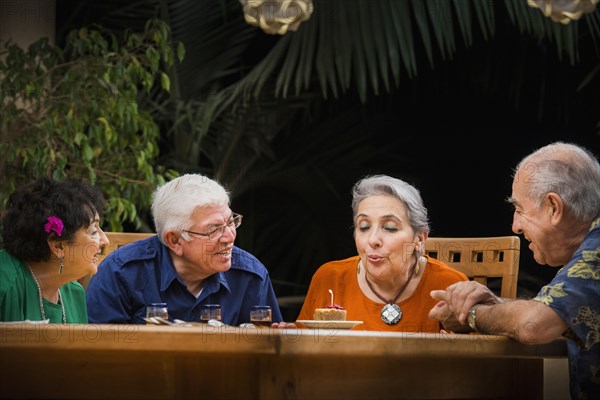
x=141 y=273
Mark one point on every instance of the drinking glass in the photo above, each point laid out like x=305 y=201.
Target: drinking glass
x=157 y=310
x=210 y=311
x=261 y=316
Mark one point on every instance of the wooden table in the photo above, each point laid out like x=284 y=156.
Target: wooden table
x=156 y=362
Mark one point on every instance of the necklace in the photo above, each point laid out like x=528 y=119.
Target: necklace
x=62 y=304
x=391 y=313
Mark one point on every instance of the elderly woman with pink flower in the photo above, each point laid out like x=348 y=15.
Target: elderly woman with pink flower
x=51 y=237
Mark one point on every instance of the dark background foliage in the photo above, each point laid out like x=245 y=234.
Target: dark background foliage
x=455 y=129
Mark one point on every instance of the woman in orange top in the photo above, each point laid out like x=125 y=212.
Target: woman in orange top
x=387 y=285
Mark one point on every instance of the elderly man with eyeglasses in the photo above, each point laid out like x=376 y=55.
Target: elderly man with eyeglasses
x=192 y=261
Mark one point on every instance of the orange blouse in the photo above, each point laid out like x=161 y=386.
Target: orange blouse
x=340 y=277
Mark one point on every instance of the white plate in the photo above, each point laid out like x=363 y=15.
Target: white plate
x=314 y=324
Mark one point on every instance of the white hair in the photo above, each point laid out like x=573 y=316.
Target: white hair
x=570 y=171
x=386 y=185
x=174 y=203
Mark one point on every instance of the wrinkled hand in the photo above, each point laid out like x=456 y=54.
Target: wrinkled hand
x=461 y=296
x=441 y=312
x=283 y=325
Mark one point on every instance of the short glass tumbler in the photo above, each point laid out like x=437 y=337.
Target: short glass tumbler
x=157 y=310
x=210 y=311
x=261 y=316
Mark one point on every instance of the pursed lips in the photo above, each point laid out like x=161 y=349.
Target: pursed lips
x=374 y=258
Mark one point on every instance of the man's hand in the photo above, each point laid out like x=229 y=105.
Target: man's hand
x=441 y=312
x=461 y=296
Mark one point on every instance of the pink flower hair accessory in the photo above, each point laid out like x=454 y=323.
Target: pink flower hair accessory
x=54 y=224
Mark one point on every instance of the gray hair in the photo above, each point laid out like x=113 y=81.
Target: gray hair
x=386 y=185
x=570 y=171
x=174 y=203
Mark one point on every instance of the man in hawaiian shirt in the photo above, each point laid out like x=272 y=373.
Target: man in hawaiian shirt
x=556 y=196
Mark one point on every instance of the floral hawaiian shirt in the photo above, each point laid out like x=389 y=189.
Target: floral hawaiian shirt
x=574 y=294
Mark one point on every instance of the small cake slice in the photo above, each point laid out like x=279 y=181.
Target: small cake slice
x=330 y=313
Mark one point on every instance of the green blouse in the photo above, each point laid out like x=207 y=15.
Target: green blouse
x=19 y=296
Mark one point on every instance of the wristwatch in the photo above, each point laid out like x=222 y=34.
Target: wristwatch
x=471 y=318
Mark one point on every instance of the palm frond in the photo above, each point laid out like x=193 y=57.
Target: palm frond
x=366 y=57
x=593 y=20
x=216 y=44
x=374 y=53
x=531 y=21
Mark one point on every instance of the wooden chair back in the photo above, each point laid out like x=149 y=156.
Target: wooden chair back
x=116 y=239
x=481 y=258
x=119 y=239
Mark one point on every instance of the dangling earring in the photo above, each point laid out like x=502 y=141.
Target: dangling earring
x=358 y=267
x=420 y=253
x=418 y=258
x=61 y=264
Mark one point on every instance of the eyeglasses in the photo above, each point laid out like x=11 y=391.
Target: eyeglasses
x=215 y=234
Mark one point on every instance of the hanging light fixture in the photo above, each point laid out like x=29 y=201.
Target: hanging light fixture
x=277 y=16
x=564 y=11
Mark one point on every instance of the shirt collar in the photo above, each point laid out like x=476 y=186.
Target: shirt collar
x=167 y=269
x=168 y=274
x=214 y=282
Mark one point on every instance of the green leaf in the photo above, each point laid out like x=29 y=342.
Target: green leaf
x=79 y=137
x=86 y=152
x=165 y=81
x=108 y=132
x=153 y=58
x=180 y=51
